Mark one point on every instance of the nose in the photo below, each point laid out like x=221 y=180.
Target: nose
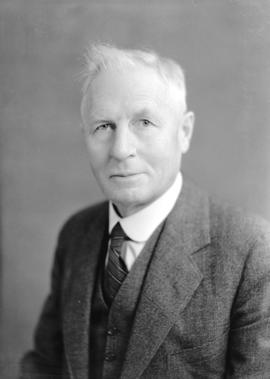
x=123 y=144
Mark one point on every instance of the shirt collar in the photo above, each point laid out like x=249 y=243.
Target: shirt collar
x=140 y=225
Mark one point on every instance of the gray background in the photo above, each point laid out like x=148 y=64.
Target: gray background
x=224 y=48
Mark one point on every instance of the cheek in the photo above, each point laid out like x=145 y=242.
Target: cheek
x=97 y=154
x=162 y=151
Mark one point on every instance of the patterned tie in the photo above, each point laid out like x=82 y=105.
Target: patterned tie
x=116 y=269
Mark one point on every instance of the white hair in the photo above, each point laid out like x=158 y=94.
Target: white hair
x=99 y=57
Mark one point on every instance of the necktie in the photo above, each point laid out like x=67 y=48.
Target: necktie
x=116 y=270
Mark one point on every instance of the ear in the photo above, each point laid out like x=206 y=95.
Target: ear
x=186 y=131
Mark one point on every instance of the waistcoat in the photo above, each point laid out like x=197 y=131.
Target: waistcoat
x=110 y=327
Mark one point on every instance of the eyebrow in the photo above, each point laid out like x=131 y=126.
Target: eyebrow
x=147 y=112
x=143 y=111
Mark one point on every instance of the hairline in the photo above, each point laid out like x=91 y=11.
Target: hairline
x=100 y=58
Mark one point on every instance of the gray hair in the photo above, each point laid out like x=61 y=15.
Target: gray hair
x=99 y=57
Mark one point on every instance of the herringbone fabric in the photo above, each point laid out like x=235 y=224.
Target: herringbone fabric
x=116 y=269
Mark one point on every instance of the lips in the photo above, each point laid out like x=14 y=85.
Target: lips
x=125 y=178
x=123 y=175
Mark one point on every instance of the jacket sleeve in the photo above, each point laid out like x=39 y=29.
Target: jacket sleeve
x=45 y=360
x=249 y=341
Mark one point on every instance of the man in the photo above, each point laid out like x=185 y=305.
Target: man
x=161 y=281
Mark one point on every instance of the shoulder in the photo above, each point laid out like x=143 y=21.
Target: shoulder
x=233 y=232
x=231 y=223
x=83 y=220
x=224 y=217
x=238 y=250
x=242 y=239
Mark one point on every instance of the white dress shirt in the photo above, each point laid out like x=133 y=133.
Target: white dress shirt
x=140 y=225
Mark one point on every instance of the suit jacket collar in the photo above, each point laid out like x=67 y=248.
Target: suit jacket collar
x=172 y=278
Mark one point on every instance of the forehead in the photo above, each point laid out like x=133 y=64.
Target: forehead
x=134 y=85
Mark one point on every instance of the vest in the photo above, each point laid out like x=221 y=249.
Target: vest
x=110 y=327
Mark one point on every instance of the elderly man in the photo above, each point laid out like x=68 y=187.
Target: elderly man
x=161 y=281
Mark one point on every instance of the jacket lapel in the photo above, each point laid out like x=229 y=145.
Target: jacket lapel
x=171 y=280
x=79 y=292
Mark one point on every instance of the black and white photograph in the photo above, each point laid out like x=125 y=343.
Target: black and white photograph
x=135 y=189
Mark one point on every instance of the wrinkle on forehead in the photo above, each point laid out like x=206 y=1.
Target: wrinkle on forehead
x=124 y=83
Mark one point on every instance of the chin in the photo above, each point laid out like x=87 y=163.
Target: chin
x=127 y=197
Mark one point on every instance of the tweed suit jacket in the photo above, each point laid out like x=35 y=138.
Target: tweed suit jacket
x=204 y=307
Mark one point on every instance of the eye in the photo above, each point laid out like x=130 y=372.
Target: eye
x=104 y=127
x=145 y=122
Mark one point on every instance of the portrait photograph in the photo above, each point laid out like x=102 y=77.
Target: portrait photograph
x=135 y=189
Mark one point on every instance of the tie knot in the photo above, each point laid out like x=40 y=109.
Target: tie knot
x=117 y=236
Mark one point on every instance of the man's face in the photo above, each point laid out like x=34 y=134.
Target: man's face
x=135 y=136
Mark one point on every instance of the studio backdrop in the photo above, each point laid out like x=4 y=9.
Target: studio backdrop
x=223 y=47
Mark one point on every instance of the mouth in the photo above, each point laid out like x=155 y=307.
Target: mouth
x=125 y=177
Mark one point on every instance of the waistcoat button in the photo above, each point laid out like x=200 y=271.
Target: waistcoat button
x=112 y=331
x=109 y=357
